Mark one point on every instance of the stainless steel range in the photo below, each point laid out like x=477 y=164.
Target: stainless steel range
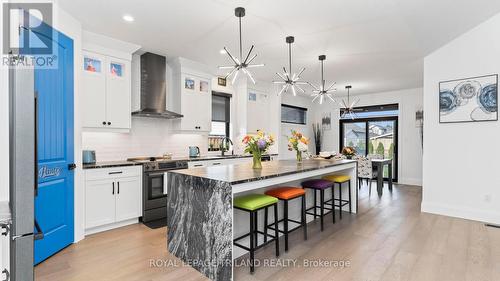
x=154 y=198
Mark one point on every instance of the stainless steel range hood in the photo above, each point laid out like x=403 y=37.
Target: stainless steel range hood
x=154 y=88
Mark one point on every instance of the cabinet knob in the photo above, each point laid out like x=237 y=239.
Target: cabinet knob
x=104 y=122
x=109 y=123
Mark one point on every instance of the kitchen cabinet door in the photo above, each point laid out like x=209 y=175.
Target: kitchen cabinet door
x=196 y=103
x=99 y=202
x=258 y=112
x=94 y=90
x=118 y=91
x=4 y=254
x=128 y=198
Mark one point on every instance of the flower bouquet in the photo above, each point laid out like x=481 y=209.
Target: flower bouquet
x=298 y=143
x=257 y=145
x=348 y=152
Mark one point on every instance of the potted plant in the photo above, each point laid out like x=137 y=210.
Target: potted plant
x=348 y=152
x=298 y=143
x=257 y=145
x=318 y=136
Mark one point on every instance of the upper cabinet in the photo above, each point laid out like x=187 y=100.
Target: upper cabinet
x=259 y=112
x=192 y=96
x=106 y=83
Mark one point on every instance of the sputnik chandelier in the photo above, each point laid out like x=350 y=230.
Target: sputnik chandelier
x=239 y=63
x=348 y=110
x=290 y=81
x=321 y=92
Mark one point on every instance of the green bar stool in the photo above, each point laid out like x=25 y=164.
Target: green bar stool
x=252 y=203
x=339 y=180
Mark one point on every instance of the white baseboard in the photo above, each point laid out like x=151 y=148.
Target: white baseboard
x=461 y=212
x=106 y=227
x=410 y=181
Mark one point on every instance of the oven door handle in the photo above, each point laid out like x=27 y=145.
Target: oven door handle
x=156 y=174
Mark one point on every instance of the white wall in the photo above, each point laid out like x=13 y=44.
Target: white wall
x=409 y=144
x=461 y=171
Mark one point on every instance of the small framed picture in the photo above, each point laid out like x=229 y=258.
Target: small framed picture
x=116 y=69
x=221 y=81
x=252 y=96
x=91 y=65
x=189 y=84
x=204 y=86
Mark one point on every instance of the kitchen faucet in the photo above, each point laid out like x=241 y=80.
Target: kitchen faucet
x=224 y=145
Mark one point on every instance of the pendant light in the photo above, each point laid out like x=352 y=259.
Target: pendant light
x=321 y=92
x=290 y=81
x=349 y=110
x=239 y=63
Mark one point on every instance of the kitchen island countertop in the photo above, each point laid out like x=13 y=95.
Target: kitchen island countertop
x=241 y=173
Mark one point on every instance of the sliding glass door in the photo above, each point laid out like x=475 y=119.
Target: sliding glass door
x=372 y=136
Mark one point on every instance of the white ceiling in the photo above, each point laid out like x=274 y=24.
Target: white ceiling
x=375 y=45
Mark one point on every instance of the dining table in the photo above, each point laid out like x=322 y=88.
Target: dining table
x=379 y=164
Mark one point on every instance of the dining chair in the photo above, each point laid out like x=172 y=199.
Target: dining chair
x=365 y=171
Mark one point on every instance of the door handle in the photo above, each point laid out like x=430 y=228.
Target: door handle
x=113 y=188
x=71 y=166
x=39 y=233
x=118 y=187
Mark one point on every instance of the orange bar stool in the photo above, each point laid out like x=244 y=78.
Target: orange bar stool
x=339 y=202
x=286 y=194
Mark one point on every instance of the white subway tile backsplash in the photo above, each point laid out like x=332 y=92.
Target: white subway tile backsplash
x=148 y=137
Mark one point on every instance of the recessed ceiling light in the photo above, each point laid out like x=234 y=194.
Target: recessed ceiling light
x=128 y=18
x=222 y=52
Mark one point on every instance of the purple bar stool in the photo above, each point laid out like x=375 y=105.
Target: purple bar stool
x=319 y=185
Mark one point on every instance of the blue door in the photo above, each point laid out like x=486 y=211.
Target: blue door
x=54 y=200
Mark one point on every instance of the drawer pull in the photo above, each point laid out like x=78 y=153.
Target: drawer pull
x=115 y=173
x=218 y=163
x=198 y=165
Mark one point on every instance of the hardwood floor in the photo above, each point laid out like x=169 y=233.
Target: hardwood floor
x=389 y=239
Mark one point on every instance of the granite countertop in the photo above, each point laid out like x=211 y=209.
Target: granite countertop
x=111 y=164
x=241 y=173
x=4 y=212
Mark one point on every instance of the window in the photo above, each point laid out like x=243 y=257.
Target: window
x=374 y=130
x=221 y=118
x=293 y=114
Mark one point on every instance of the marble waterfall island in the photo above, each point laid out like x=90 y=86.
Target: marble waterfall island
x=201 y=220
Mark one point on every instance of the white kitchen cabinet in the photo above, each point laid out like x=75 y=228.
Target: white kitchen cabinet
x=106 y=91
x=259 y=111
x=192 y=96
x=113 y=197
x=4 y=256
x=128 y=198
x=99 y=203
x=196 y=103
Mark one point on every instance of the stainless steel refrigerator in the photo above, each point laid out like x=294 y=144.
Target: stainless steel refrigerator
x=22 y=172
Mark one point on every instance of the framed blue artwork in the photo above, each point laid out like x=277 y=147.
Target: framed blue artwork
x=472 y=99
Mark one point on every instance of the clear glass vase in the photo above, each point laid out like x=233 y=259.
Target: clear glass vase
x=257 y=161
x=299 y=156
